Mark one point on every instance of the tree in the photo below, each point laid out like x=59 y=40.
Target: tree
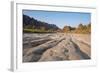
x=89 y=27
x=80 y=26
x=66 y=28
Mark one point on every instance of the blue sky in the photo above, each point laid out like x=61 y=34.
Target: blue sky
x=60 y=18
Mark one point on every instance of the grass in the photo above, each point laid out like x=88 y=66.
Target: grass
x=36 y=31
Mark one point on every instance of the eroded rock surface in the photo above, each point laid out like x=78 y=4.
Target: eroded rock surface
x=56 y=47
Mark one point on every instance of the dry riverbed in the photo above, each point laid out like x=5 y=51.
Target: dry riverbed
x=56 y=47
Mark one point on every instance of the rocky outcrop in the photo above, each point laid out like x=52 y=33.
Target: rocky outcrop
x=60 y=47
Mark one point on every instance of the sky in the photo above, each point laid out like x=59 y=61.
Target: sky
x=60 y=19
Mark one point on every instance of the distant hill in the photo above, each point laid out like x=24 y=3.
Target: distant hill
x=32 y=23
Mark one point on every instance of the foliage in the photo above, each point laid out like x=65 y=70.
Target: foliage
x=66 y=29
x=83 y=28
x=80 y=29
x=36 y=31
